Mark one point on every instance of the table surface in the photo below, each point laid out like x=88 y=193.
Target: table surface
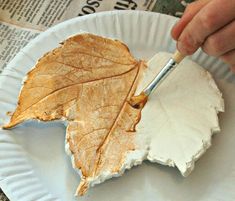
x=170 y=7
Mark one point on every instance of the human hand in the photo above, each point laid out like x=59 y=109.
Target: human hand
x=209 y=24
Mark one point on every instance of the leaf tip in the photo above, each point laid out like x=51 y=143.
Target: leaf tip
x=82 y=188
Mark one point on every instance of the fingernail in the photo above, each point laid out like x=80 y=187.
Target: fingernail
x=181 y=47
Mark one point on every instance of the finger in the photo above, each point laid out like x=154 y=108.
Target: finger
x=221 y=41
x=191 y=10
x=229 y=58
x=207 y=20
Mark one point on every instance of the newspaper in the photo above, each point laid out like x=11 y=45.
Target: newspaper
x=23 y=20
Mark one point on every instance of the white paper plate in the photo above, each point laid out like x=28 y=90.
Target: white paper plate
x=33 y=163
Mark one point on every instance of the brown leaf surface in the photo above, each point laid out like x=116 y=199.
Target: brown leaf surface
x=88 y=81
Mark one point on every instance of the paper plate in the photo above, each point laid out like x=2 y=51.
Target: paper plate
x=33 y=163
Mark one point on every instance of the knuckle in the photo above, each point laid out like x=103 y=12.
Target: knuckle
x=190 y=7
x=193 y=5
x=208 y=20
x=188 y=44
x=213 y=46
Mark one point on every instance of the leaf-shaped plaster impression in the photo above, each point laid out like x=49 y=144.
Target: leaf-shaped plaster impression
x=87 y=81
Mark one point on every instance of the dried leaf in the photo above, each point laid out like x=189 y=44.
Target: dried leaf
x=87 y=81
